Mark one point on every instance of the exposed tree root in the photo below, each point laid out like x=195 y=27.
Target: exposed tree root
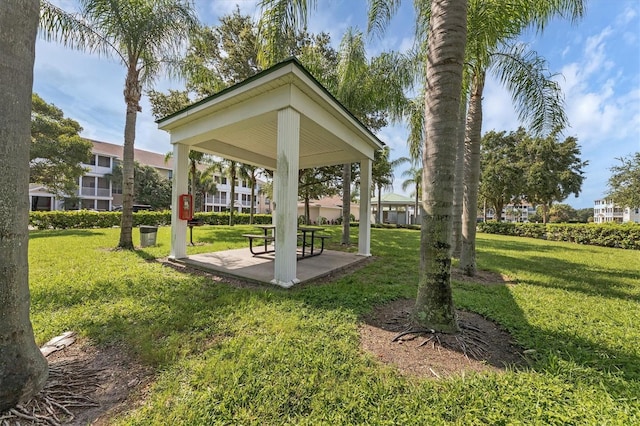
x=68 y=387
x=469 y=341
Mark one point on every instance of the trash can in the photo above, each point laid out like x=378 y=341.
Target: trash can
x=148 y=235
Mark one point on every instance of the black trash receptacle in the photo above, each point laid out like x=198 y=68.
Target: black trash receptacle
x=148 y=235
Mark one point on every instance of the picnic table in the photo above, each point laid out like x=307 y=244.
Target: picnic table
x=307 y=235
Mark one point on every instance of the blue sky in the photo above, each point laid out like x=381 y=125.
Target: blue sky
x=597 y=61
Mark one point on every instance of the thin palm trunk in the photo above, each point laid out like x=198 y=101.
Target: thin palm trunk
x=379 y=204
x=346 y=203
x=458 y=184
x=193 y=182
x=23 y=369
x=446 y=45
x=253 y=198
x=232 y=175
x=132 y=95
x=472 y=176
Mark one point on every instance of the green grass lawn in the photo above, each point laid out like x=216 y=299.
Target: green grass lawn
x=270 y=356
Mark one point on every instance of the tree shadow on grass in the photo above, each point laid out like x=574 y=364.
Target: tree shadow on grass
x=64 y=233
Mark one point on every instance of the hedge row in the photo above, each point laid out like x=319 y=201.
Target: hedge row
x=83 y=219
x=625 y=236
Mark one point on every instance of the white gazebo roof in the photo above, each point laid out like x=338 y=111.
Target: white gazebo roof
x=241 y=122
x=281 y=119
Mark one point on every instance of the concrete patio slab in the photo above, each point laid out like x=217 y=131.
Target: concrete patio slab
x=240 y=263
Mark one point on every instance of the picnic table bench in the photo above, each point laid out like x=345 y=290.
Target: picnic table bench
x=307 y=236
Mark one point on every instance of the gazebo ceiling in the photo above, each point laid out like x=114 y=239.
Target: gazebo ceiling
x=241 y=122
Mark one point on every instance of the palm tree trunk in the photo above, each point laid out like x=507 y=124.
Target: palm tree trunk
x=472 y=176
x=446 y=44
x=415 y=212
x=253 y=197
x=307 y=209
x=132 y=94
x=458 y=183
x=379 y=204
x=232 y=176
x=193 y=182
x=23 y=369
x=346 y=203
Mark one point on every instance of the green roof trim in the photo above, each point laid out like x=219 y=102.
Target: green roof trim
x=392 y=198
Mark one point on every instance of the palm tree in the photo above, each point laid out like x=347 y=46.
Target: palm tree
x=537 y=98
x=145 y=36
x=23 y=369
x=414 y=178
x=446 y=37
x=250 y=173
x=230 y=169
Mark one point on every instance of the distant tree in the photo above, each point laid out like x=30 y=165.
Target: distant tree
x=585 y=215
x=318 y=182
x=23 y=369
x=413 y=178
x=624 y=183
x=501 y=180
x=56 y=149
x=150 y=187
x=250 y=173
x=382 y=175
x=562 y=213
x=553 y=170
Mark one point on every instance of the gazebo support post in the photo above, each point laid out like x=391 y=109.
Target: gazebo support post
x=180 y=186
x=364 y=228
x=286 y=197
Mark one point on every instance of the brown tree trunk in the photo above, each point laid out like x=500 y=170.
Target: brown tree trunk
x=253 y=198
x=472 y=176
x=346 y=203
x=132 y=95
x=379 y=204
x=445 y=54
x=23 y=369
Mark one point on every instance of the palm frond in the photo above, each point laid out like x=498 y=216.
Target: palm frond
x=537 y=97
x=380 y=13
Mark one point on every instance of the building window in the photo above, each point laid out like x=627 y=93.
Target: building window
x=104 y=161
x=92 y=161
x=102 y=205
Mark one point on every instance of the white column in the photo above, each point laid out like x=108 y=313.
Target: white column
x=180 y=186
x=286 y=197
x=364 y=228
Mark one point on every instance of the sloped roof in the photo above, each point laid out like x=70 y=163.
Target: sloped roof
x=241 y=122
x=392 y=198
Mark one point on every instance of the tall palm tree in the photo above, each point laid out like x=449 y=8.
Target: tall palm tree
x=414 y=178
x=445 y=31
x=145 y=36
x=23 y=369
x=537 y=98
x=250 y=173
x=230 y=169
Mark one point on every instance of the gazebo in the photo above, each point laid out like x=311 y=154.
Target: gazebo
x=281 y=119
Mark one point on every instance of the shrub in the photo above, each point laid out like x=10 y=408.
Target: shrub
x=82 y=219
x=625 y=236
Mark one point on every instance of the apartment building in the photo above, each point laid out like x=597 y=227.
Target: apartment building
x=96 y=191
x=605 y=211
x=513 y=213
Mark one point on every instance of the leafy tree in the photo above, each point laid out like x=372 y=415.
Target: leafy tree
x=624 y=183
x=562 y=213
x=585 y=215
x=316 y=183
x=145 y=36
x=502 y=175
x=150 y=187
x=56 y=149
x=23 y=369
x=553 y=169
